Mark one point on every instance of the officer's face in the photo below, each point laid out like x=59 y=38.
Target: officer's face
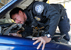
x=19 y=18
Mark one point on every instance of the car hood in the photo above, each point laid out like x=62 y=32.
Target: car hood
x=17 y=41
x=4 y=9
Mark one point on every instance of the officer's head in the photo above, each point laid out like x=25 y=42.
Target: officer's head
x=18 y=15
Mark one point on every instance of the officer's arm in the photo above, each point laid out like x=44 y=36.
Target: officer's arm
x=44 y=9
x=54 y=18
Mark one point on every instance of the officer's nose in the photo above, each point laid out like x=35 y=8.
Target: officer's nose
x=22 y=22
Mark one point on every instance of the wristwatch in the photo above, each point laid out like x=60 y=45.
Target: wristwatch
x=48 y=35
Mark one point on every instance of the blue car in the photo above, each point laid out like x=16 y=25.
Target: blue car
x=20 y=43
x=17 y=43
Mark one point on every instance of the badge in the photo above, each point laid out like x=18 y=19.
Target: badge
x=39 y=8
x=37 y=18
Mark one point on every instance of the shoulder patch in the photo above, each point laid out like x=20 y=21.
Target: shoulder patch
x=39 y=8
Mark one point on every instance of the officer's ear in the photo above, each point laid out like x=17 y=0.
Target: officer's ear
x=20 y=12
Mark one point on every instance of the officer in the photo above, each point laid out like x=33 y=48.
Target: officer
x=38 y=14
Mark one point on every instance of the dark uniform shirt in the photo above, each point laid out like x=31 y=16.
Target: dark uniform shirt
x=64 y=25
x=44 y=15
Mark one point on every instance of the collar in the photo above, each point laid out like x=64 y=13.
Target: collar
x=28 y=16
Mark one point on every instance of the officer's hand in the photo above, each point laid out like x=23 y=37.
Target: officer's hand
x=15 y=34
x=42 y=40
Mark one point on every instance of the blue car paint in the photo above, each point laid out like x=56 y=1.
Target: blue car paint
x=17 y=43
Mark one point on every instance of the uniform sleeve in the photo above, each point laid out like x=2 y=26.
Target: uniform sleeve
x=54 y=18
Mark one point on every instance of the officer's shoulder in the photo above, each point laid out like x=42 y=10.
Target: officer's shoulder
x=38 y=2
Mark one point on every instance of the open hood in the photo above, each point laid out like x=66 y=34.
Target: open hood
x=4 y=9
